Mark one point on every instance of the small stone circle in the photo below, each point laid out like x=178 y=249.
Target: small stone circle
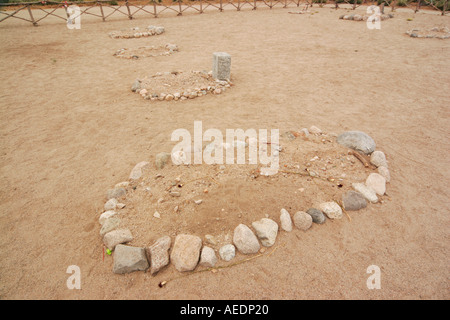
x=435 y=32
x=188 y=251
x=136 y=32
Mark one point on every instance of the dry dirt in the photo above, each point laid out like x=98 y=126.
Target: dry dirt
x=71 y=129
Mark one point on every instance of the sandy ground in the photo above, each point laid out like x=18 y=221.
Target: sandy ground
x=71 y=129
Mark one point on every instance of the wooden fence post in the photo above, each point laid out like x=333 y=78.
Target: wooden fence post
x=101 y=10
x=128 y=9
x=31 y=16
x=445 y=7
x=417 y=6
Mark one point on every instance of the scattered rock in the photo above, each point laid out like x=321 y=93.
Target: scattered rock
x=116 y=193
x=266 y=230
x=302 y=220
x=121 y=205
x=161 y=159
x=123 y=184
x=157 y=215
x=129 y=259
x=211 y=239
x=136 y=173
x=357 y=140
x=367 y=192
x=377 y=158
x=175 y=193
x=208 y=257
x=316 y=215
x=315 y=130
x=186 y=252
x=110 y=204
x=245 y=240
x=286 y=222
x=353 y=201
x=109 y=225
x=383 y=171
x=227 y=252
x=377 y=182
x=198 y=201
x=115 y=237
x=106 y=215
x=331 y=209
x=158 y=254
x=136 y=86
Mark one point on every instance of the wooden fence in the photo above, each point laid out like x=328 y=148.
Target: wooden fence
x=130 y=8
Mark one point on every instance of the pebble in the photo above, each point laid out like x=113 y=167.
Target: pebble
x=208 y=257
x=175 y=193
x=115 y=237
x=377 y=182
x=378 y=159
x=316 y=215
x=123 y=184
x=302 y=220
x=158 y=254
x=129 y=259
x=286 y=221
x=266 y=230
x=136 y=173
x=116 y=193
x=367 y=192
x=353 y=201
x=157 y=215
x=161 y=159
x=227 y=252
x=315 y=130
x=245 y=240
x=136 y=86
x=383 y=171
x=357 y=140
x=198 y=201
x=331 y=209
x=110 y=204
x=305 y=132
x=186 y=252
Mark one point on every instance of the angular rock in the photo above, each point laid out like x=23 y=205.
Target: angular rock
x=377 y=182
x=186 y=252
x=161 y=159
x=316 y=215
x=106 y=215
x=116 y=193
x=315 y=130
x=158 y=254
x=266 y=230
x=331 y=209
x=285 y=219
x=136 y=86
x=129 y=259
x=110 y=204
x=109 y=225
x=383 y=171
x=136 y=173
x=115 y=237
x=378 y=158
x=245 y=240
x=208 y=257
x=221 y=66
x=367 y=192
x=302 y=220
x=227 y=252
x=353 y=201
x=357 y=140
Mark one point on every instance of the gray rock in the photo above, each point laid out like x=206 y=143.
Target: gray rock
x=302 y=220
x=266 y=230
x=285 y=219
x=136 y=86
x=208 y=257
x=161 y=159
x=111 y=204
x=331 y=209
x=227 y=252
x=353 y=201
x=245 y=240
x=378 y=159
x=367 y=192
x=221 y=69
x=186 y=252
x=116 y=193
x=357 y=140
x=109 y=225
x=158 y=254
x=136 y=173
x=316 y=215
x=129 y=259
x=115 y=237
x=159 y=30
x=382 y=170
x=377 y=182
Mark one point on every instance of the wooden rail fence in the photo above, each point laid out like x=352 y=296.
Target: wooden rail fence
x=154 y=8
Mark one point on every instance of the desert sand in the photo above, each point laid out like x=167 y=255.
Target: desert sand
x=71 y=129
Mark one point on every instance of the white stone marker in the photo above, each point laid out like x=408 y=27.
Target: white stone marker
x=221 y=66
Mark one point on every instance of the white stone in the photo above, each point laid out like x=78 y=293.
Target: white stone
x=186 y=252
x=136 y=173
x=115 y=237
x=331 y=209
x=377 y=182
x=378 y=159
x=315 y=130
x=266 y=230
x=227 y=252
x=286 y=221
x=245 y=240
x=106 y=215
x=366 y=191
x=208 y=257
x=382 y=170
x=110 y=204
